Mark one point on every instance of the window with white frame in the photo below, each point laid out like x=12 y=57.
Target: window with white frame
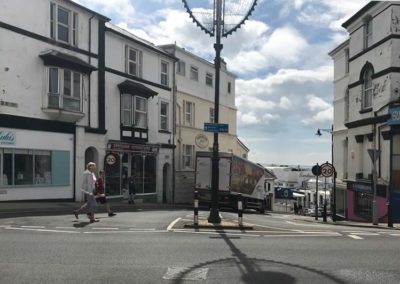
x=189 y=113
x=367 y=32
x=63 y=24
x=187 y=156
x=64 y=89
x=164 y=116
x=181 y=68
x=133 y=61
x=212 y=118
x=367 y=88
x=164 y=73
x=194 y=73
x=133 y=111
x=209 y=79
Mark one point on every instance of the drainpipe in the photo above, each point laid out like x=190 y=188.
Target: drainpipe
x=90 y=61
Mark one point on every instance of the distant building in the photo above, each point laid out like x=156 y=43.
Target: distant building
x=366 y=113
x=195 y=92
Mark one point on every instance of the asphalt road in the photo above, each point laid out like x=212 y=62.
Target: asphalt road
x=146 y=247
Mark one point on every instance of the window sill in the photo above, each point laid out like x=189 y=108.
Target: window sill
x=164 y=131
x=63 y=115
x=365 y=110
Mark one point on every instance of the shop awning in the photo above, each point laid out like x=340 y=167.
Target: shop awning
x=136 y=89
x=59 y=59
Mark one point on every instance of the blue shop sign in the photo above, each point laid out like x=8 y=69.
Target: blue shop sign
x=394 y=116
x=7 y=137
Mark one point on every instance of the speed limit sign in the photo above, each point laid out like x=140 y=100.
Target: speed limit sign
x=327 y=170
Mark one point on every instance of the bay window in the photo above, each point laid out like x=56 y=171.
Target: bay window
x=133 y=111
x=64 y=89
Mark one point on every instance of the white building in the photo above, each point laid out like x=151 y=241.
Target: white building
x=195 y=83
x=366 y=112
x=75 y=89
x=50 y=56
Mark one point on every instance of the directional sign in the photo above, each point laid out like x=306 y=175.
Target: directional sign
x=216 y=127
x=327 y=170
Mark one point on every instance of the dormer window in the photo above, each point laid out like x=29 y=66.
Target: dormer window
x=63 y=24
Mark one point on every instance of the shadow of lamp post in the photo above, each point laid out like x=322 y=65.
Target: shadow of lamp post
x=218 y=18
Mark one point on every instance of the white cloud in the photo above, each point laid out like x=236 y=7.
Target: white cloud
x=316 y=103
x=121 y=9
x=323 y=111
x=285 y=103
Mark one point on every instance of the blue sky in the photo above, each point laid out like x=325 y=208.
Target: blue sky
x=284 y=90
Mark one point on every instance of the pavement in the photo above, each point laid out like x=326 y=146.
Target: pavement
x=43 y=208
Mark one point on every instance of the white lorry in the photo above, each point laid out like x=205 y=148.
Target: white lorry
x=236 y=175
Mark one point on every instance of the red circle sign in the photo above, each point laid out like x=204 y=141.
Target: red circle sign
x=327 y=170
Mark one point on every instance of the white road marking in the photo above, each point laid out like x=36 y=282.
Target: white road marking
x=395 y=235
x=41 y=230
x=355 y=237
x=173 y=224
x=119 y=232
x=138 y=229
x=186 y=273
x=95 y=228
x=367 y=234
x=34 y=227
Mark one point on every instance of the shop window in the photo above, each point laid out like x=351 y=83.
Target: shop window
x=63 y=24
x=64 y=89
x=150 y=175
x=395 y=176
x=363 y=205
x=22 y=167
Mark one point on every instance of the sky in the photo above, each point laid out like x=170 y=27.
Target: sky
x=284 y=85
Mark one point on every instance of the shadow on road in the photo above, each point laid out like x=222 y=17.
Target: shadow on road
x=255 y=271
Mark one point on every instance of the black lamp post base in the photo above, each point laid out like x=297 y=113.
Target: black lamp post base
x=214 y=216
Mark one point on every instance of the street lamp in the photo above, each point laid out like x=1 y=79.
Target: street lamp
x=218 y=18
x=333 y=199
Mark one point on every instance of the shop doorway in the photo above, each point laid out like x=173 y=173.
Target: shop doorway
x=91 y=155
x=166 y=182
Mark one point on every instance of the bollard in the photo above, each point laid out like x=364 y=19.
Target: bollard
x=240 y=209
x=196 y=208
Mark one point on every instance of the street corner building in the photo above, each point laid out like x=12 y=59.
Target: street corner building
x=366 y=130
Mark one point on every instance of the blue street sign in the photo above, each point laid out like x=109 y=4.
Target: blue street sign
x=216 y=127
x=394 y=116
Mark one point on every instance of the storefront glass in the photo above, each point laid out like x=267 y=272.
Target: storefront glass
x=21 y=167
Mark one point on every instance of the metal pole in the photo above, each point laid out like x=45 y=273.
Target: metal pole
x=334 y=197
x=324 y=217
x=214 y=212
x=240 y=209
x=316 y=195
x=196 y=208
x=374 y=180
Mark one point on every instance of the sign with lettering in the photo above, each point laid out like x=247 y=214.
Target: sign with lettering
x=394 y=116
x=7 y=137
x=138 y=148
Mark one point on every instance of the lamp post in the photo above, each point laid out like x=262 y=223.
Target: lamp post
x=220 y=19
x=333 y=199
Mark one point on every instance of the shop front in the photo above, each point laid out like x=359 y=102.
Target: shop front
x=35 y=165
x=131 y=165
x=360 y=197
